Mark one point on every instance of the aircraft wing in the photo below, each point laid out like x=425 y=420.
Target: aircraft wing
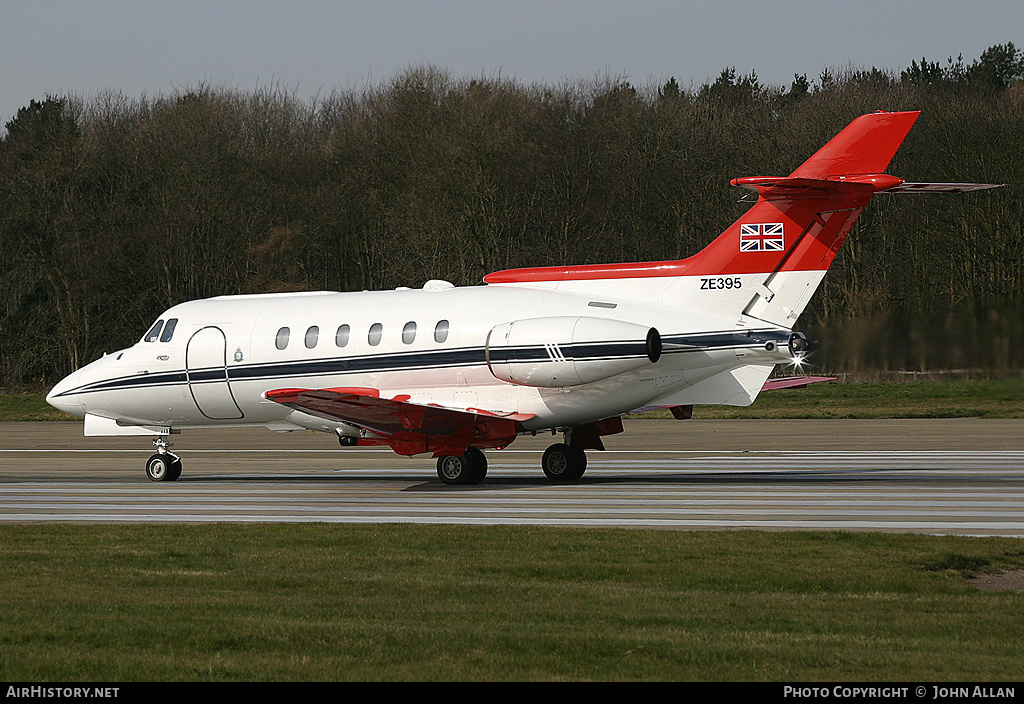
x=409 y=428
x=793 y=382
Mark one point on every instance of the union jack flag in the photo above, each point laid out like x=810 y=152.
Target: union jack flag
x=762 y=237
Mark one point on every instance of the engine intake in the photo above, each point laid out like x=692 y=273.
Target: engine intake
x=568 y=350
x=798 y=344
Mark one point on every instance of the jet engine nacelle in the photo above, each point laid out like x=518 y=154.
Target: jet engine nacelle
x=568 y=350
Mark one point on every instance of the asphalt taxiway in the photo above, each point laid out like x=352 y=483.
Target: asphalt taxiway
x=948 y=476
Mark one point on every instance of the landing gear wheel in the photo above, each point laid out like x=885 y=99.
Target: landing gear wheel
x=564 y=463
x=175 y=470
x=469 y=468
x=479 y=461
x=163 y=468
x=454 y=470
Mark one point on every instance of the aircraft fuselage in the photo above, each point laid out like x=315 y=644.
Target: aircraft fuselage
x=429 y=345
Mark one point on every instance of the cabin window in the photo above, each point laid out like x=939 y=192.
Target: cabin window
x=376 y=330
x=341 y=337
x=409 y=333
x=281 y=341
x=311 y=336
x=441 y=331
x=154 y=332
x=168 y=330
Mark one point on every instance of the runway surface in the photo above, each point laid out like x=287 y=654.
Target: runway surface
x=958 y=476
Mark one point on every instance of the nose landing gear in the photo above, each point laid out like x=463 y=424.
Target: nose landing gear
x=164 y=466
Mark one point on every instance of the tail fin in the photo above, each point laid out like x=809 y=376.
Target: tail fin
x=866 y=146
x=781 y=248
x=769 y=262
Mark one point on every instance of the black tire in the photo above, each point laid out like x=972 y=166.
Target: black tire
x=454 y=470
x=564 y=463
x=469 y=468
x=161 y=468
x=479 y=462
x=581 y=462
x=175 y=470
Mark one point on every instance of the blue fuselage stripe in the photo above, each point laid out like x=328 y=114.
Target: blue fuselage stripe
x=417 y=361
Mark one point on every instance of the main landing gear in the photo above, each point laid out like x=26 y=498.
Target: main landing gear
x=562 y=463
x=566 y=461
x=164 y=466
x=469 y=468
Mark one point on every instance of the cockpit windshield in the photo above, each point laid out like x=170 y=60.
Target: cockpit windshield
x=154 y=333
x=168 y=330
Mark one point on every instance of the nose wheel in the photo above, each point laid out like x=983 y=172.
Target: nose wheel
x=164 y=466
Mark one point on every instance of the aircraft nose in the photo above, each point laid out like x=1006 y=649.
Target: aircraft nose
x=62 y=397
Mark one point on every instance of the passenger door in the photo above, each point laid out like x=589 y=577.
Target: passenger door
x=206 y=367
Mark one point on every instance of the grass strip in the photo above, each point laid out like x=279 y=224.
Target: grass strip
x=340 y=602
x=27 y=407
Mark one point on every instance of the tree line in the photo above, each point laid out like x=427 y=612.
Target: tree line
x=113 y=208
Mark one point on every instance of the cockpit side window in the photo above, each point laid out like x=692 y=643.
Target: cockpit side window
x=168 y=330
x=154 y=332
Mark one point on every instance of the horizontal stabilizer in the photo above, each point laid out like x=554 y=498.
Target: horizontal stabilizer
x=793 y=382
x=789 y=188
x=941 y=187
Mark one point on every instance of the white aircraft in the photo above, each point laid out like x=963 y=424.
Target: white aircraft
x=450 y=371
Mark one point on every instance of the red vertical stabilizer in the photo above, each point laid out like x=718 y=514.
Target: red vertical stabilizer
x=866 y=146
x=798 y=222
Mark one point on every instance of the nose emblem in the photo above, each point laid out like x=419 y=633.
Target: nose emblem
x=238 y=354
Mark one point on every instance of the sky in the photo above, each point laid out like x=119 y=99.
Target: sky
x=311 y=47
